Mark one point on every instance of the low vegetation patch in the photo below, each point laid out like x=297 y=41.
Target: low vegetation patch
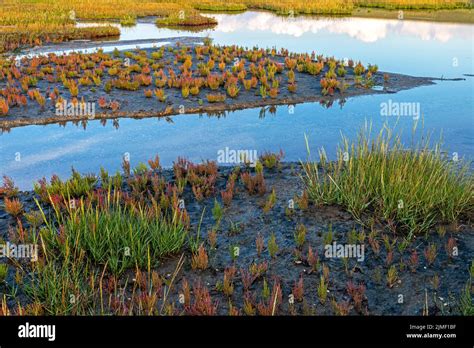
x=415 y=4
x=220 y=6
x=186 y=19
x=63 y=85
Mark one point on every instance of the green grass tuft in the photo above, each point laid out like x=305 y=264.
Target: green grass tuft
x=411 y=189
x=113 y=234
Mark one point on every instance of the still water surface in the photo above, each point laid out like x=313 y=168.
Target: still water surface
x=409 y=47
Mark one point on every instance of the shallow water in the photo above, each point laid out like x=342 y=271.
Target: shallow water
x=409 y=47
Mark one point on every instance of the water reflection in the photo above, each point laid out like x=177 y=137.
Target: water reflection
x=410 y=47
x=269 y=110
x=403 y=46
x=362 y=29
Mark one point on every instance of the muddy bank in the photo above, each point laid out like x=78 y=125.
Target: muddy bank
x=421 y=287
x=79 y=45
x=135 y=103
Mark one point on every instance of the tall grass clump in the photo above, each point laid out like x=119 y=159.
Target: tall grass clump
x=411 y=189
x=121 y=236
x=62 y=288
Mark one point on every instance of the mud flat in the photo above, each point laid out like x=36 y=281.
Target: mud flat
x=123 y=83
x=435 y=288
